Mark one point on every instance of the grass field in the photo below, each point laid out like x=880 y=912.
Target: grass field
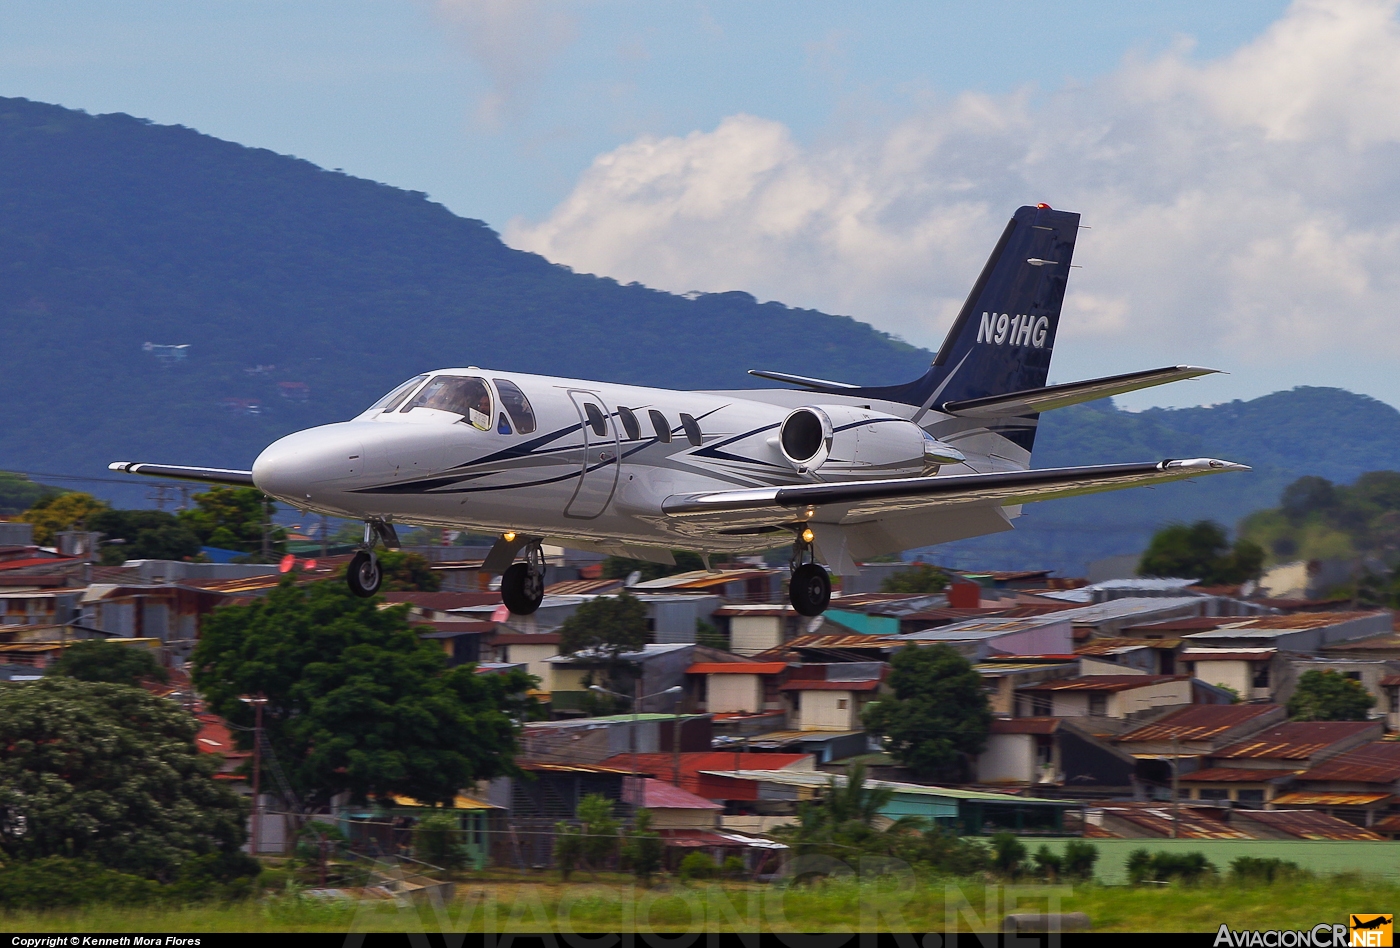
x=890 y=904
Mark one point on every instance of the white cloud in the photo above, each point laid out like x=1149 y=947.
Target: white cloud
x=513 y=41
x=1246 y=200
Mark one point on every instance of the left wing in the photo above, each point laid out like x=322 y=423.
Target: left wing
x=739 y=511
x=208 y=475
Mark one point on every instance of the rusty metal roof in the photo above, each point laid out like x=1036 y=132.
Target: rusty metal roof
x=1116 y=645
x=1306 y=824
x=1300 y=620
x=1296 y=740
x=582 y=587
x=1101 y=683
x=1184 y=624
x=1391 y=824
x=852 y=641
x=1199 y=722
x=1377 y=642
x=1025 y=725
x=1390 y=681
x=1189 y=824
x=1227 y=654
x=813 y=684
x=1378 y=762
x=1311 y=798
x=737 y=668
x=1236 y=775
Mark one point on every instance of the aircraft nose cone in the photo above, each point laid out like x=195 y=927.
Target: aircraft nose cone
x=295 y=467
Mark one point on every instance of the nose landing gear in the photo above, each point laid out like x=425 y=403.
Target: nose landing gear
x=364 y=574
x=809 y=590
x=522 y=585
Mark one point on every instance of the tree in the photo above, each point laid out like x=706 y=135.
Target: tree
x=1008 y=855
x=843 y=822
x=1202 y=552
x=110 y=773
x=709 y=636
x=232 y=518
x=606 y=627
x=919 y=578
x=599 y=831
x=1329 y=696
x=59 y=512
x=642 y=849
x=1079 y=859
x=938 y=713
x=98 y=660
x=356 y=701
x=404 y=572
x=147 y=535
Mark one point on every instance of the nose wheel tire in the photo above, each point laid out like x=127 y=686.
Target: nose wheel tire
x=522 y=588
x=810 y=589
x=364 y=574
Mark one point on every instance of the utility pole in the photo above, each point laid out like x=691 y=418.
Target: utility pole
x=257 y=702
x=1176 y=773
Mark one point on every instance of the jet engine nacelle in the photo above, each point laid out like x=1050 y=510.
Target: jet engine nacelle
x=845 y=441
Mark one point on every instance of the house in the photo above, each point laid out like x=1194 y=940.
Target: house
x=592 y=740
x=1002 y=675
x=1297 y=824
x=1102 y=696
x=751 y=585
x=833 y=647
x=532 y=649
x=1199 y=730
x=1301 y=632
x=980 y=639
x=831 y=697
x=656 y=668
x=1125 y=820
x=736 y=687
x=1370 y=674
x=672 y=808
x=1248 y=673
x=1120 y=655
x=1052 y=752
x=756 y=627
x=1360 y=785
x=460 y=639
x=694 y=767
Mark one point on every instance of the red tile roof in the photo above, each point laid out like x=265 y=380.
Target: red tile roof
x=1296 y=740
x=1025 y=725
x=813 y=684
x=1199 y=722
x=737 y=668
x=1378 y=762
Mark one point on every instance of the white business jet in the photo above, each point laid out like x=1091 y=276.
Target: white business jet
x=840 y=472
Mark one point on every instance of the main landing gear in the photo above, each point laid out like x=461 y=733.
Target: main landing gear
x=364 y=574
x=809 y=590
x=522 y=584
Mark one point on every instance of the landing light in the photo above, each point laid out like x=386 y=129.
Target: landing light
x=807 y=535
x=508 y=537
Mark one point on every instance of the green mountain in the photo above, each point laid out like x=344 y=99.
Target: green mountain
x=303 y=294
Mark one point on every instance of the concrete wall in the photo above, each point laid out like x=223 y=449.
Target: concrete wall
x=824 y=711
x=678 y=818
x=734 y=693
x=749 y=635
x=1008 y=757
x=1237 y=676
x=535 y=659
x=1164 y=694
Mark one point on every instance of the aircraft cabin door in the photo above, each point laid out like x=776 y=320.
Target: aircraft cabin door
x=600 y=458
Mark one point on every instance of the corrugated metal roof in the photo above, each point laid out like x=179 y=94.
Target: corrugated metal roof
x=737 y=668
x=1306 y=824
x=1227 y=654
x=657 y=794
x=703 y=579
x=1199 y=722
x=582 y=587
x=443 y=601
x=1312 y=798
x=1184 y=624
x=1296 y=740
x=1025 y=725
x=1101 y=683
x=1378 y=762
x=1302 y=620
x=1189 y=824
x=1390 y=681
x=812 y=684
x=801 y=778
x=1116 y=646
x=1236 y=775
x=1377 y=642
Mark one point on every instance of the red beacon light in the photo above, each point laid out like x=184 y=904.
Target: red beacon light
x=1045 y=207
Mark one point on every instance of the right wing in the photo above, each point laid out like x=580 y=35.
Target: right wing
x=207 y=475
x=743 y=511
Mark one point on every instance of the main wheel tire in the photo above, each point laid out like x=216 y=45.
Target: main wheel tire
x=522 y=590
x=810 y=589
x=364 y=575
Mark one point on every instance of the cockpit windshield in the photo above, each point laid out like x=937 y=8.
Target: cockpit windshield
x=468 y=397
x=395 y=398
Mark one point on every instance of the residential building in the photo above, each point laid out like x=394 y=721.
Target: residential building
x=1251 y=674
x=1304 y=632
x=1041 y=753
x=1102 y=696
x=831 y=697
x=1200 y=730
x=1295 y=746
x=658 y=668
x=757 y=627
x=736 y=687
x=1297 y=824
x=1360 y=785
x=1002 y=676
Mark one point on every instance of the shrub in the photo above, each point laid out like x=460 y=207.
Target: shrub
x=1079 y=859
x=58 y=882
x=437 y=840
x=734 y=868
x=642 y=849
x=1008 y=855
x=1144 y=866
x=1049 y=864
x=697 y=866
x=947 y=853
x=1265 y=869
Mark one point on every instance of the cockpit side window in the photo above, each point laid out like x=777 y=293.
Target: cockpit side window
x=395 y=398
x=629 y=423
x=515 y=402
x=465 y=396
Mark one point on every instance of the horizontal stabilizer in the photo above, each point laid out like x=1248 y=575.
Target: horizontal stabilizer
x=854 y=501
x=207 y=475
x=1034 y=400
x=820 y=385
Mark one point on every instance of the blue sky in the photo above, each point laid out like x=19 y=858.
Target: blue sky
x=1233 y=158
